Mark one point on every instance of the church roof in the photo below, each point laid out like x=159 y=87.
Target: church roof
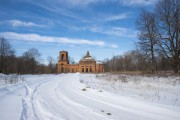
x=87 y=57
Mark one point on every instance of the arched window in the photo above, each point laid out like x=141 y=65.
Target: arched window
x=90 y=70
x=62 y=56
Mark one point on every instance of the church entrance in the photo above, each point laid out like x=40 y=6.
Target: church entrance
x=62 y=69
x=86 y=69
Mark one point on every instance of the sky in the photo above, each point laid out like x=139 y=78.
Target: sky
x=102 y=27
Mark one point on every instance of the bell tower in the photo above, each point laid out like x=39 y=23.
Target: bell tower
x=63 y=61
x=63 y=57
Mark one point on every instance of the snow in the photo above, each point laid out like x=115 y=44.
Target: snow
x=82 y=97
x=99 y=62
x=87 y=59
x=162 y=90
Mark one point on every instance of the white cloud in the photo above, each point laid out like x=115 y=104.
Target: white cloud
x=114 y=46
x=39 y=38
x=138 y=2
x=115 y=31
x=125 y=2
x=68 y=2
x=116 y=17
x=59 y=7
x=80 y=2
x=18 y=23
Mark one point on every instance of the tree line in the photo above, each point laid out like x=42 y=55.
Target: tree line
x=28 y=63
x=158 y=46
x=134 y=60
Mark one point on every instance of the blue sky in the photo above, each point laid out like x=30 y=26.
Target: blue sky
x=104 y=27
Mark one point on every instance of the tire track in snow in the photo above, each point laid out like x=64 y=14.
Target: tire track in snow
x=59 y=106
x=44 y=106
x=73 y=105
x=63 y=99
x=78 y=109
x=29 y=112
x=70 y=90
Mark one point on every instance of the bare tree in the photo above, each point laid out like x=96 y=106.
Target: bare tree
x=168 y=14
x=71 y=60
x=51 y=65
x=5 y=51
x=146 y=25
x=31 y=59
x=33 y=53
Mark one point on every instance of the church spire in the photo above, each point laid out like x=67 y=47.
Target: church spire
x=87 y=54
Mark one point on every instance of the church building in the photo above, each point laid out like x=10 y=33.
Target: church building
x=86 y=65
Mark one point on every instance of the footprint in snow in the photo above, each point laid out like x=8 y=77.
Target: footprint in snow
x=102 y=110
x=84 y=89
x=106 y=113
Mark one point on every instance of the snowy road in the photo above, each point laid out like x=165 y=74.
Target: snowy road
x=64 y=97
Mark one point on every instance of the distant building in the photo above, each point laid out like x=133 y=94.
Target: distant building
x=87 y=64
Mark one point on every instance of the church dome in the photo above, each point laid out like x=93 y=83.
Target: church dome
x=87 y=57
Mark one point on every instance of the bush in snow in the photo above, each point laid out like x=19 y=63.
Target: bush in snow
x=10 y=79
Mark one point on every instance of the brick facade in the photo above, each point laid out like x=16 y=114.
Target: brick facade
x=86 y=64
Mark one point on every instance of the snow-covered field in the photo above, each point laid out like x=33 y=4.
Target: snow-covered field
x=90 y=97
x=154 y=89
